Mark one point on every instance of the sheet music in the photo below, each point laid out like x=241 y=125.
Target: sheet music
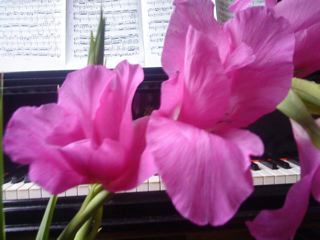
x=155 y=15
x=32 y=34
x=223 y=14
x=123 y=35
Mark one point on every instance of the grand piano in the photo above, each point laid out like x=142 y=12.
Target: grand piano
x=146 y=212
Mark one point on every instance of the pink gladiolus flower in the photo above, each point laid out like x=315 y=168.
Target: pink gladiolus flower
x=88 y=136
x=222 y=78
x=282 y=224
x=304 y=18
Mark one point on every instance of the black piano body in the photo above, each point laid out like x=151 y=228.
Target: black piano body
x=148 y=215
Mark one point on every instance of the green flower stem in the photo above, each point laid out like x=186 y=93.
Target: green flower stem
x=96 y=224
x=94 y=190
x=83 y=216
x=309 y=93
x=85 y=229
x=43 y=232
x=293 y=107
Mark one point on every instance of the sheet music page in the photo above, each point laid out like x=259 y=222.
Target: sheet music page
x=32 y=35
x=123 y=35
x=222 y=8
x=155 y=17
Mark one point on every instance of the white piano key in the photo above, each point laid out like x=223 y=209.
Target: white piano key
x=23 y=191
x=295 y=169
x=83 y=189
x=268 y=178
x=35 y=191
x=4 y=188
x=279 y=178
x=154 y=183
x=290 y=176
x=12 y=192
x=132 y=190
x=162 y=186
x=45 y=194
x=72 y=192
x=257 y=177
x=143 y=187
x=63 y=194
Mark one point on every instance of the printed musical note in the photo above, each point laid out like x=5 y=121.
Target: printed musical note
x=31 y=28
x=156 y=15
x=123 y=36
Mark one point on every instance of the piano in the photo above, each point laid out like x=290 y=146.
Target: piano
x=146 y=211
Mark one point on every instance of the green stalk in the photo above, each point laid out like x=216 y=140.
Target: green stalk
x=43 y=233
x=81 y=217
x=96 y=224
x=85 y=229
x=2 y=218
x=309 y=93
x=293 y=107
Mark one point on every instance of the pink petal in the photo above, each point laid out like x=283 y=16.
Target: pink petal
x=139 y=163
x=102 y=96
x=81 y=94
x=110 y=163
x=101 y=163
x=305 y=24
x=207 y=176
x=271 y=71
x=52 y=177
x=309 y=156
x=199 y=14
x=307 y=51
x=271 y=3
x=282 y=224
x=307 y=15
x=114 y=110
x=38 y=127
x=207 y=88
x=172 y=96
x=239 y=5
x=32 y=137
x=308 y=153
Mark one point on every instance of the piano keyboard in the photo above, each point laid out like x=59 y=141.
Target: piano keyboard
x=263 y=176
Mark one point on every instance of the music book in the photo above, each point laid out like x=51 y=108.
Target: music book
x=55 y=34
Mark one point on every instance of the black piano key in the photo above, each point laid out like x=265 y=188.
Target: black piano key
x=282 y=164
x=254 y=166
x=18 y=175
x=269 y=163
x=26 y=179
x=6 y=177
x=294 y=161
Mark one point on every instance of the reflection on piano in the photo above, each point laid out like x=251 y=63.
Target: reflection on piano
x=146 y=212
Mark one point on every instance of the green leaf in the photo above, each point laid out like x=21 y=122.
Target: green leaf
x=91 y=56
x=96 y=50
x=294 y=108
x=44 y=229
x=2 y=218
x=309 y=92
